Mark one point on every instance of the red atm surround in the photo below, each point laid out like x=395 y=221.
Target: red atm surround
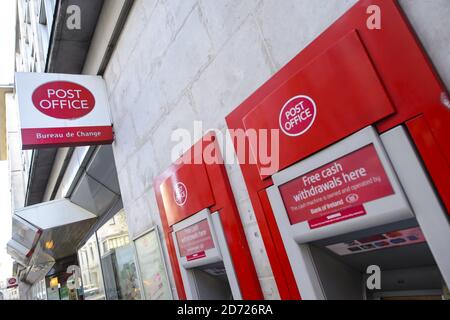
x=358 y=77
x=207 y=186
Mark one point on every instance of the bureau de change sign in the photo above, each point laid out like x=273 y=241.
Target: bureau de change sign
x=60 y=110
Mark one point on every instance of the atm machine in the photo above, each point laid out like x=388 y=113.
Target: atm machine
x=209 y=253
x=204 y=259
x=364 y=201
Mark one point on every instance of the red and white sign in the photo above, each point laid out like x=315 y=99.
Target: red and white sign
x=337 y=191
x=11 y=283
x=194 y=240
x=379 y=241
x=180 y=193
x=63 y=100
x=297 y=115
x=62 y=110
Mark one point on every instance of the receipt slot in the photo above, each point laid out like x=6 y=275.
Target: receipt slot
x=207 y=247
x=205 y=262
x=354 y=205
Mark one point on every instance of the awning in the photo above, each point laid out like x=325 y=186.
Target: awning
x=47 y=232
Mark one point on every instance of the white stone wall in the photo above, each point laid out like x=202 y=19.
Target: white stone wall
x=17 y=159
x=183 y=60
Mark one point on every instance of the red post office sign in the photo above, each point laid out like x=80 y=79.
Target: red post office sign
x=11 y=282
x=180 y=193
x=297 y=115
x=336 y=191
x=194 y=240
x=59 y=110
x=185 y=192
x=335 y=95
x=63 y=100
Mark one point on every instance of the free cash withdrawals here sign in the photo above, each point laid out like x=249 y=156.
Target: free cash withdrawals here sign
x=60 y=110
x=194 y=240
x=338 y=190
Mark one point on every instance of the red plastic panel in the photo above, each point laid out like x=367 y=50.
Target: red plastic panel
x=432 y=156
x=66 y=137
x=347 y=93
x=186 y=192
x=171 y=249
x=278 y=258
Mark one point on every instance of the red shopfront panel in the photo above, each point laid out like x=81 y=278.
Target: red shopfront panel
x=429 y=149
x=186 y=192
x=347 y=94
x=408 y=80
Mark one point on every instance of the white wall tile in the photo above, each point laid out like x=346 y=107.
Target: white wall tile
x=291 y=26
x=187 y=55
x=239 y=69
x=258 y=251
x=182 y=116
x=269 y=288
x=224 y=17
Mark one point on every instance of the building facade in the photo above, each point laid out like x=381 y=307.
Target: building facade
x=170 y=65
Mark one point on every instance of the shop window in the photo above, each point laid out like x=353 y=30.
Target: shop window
x=155 y=282
x=118 y=260
x=91 y=271
x=91 y=251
